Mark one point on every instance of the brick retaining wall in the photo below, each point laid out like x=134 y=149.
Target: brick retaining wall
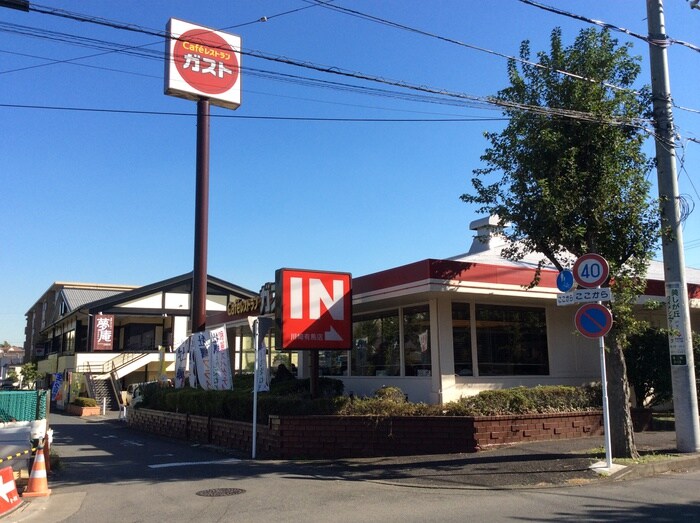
x=501 y=430
x=318 y=437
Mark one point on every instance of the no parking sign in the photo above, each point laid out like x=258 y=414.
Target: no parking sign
x=593 y=320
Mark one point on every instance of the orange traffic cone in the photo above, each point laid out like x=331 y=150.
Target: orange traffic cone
x=38 y=484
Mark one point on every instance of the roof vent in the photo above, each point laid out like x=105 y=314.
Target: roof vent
x=488 y=235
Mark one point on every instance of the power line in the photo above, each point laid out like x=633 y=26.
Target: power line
x=383 y=21
x=662 y=42
x=229 y=115
x=477 y=101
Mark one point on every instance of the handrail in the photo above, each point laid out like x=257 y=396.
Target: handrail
x=109 y=366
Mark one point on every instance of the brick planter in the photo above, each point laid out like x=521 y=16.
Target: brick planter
x=323 y=437
x=75 y=410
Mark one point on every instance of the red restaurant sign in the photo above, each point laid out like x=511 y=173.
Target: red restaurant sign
x=314 y=309
x=203 y=63
x=103 y=332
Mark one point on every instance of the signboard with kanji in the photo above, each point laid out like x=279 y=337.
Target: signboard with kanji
x=203 y=63
x=585 y=296
x=677 y=332
x=314 y=309
x=103 y=332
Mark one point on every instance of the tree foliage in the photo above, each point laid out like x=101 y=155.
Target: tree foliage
x=29 y=373
x=568 y=176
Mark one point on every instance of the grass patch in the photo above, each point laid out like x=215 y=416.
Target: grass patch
x=598 y=454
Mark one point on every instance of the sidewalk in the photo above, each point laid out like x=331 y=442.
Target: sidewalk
x=527 y=465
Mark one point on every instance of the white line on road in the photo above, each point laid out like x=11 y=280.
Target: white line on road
x=188 y=463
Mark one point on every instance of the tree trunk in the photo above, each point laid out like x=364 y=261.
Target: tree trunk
x=621 y=429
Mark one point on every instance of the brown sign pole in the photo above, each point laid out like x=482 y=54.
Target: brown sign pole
x=201 y=220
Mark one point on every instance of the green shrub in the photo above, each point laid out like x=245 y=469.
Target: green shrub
x=528 y=400
x=85 y=402
x=388 y=393
x=291 y=398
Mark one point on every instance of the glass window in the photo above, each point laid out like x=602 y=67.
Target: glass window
x=376 y=350
x=245 y=357
x=511 y=340
x=140 y=336
x=462 y=339
x=416 y=340
x=333 y=362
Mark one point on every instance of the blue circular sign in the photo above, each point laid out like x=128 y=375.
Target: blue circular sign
x=565 y=280
x=593 y=320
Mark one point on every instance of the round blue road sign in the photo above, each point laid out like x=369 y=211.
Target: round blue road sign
x=565 y=280
x=593 y=320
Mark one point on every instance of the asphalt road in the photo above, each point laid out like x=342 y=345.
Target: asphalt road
x=110 y=473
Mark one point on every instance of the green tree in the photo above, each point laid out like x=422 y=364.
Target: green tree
x=29 y=373
x=567 y=176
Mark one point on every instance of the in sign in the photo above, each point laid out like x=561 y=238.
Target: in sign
x=314 y=309
x=591 y=270
x=593 y=320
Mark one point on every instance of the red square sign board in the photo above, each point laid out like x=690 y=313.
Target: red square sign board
x=314 y=309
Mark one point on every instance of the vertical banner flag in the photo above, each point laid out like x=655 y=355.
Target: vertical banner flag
x=103 y=332
x=182 y=354
x=200 y=347
x=221 y=362
x=192 y=378
x=57 y=385
x=262 y=377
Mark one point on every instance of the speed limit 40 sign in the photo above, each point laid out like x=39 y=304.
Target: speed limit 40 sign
x=591 y=270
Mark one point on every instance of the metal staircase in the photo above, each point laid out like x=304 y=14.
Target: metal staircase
x=103 y=392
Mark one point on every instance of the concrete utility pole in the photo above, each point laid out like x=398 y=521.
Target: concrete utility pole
x=685 y=402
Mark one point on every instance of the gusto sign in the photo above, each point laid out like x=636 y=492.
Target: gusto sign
x=314 y=309
x=203 y=63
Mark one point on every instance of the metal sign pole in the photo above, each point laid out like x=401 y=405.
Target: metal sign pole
x=256 y=341
x=201 y=227
x=606 y=412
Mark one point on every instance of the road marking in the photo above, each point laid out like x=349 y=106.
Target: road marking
x=188 y=463
x=130 y=442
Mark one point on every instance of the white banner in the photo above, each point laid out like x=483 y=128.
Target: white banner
x=182 y=354
x=220 y=360
x=585 y=296
x=262 y=376
x=200 y=348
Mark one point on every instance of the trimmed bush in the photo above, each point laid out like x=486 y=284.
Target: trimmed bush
x=524 y=400
x=291 y=398
x=84 y=402
x=390 y=394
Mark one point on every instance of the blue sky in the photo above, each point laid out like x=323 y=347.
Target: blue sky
x=108 y=197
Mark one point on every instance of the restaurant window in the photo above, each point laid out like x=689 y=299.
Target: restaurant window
x=462 y=339
x=416 y=340
x=511 y=341
x=333 y=362
x=140 y=336
x=244 y=355
x=376 y=344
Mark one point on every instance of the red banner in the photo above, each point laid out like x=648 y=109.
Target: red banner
x=103 y=332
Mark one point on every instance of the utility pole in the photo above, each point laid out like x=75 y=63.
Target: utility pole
x=685 y=402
